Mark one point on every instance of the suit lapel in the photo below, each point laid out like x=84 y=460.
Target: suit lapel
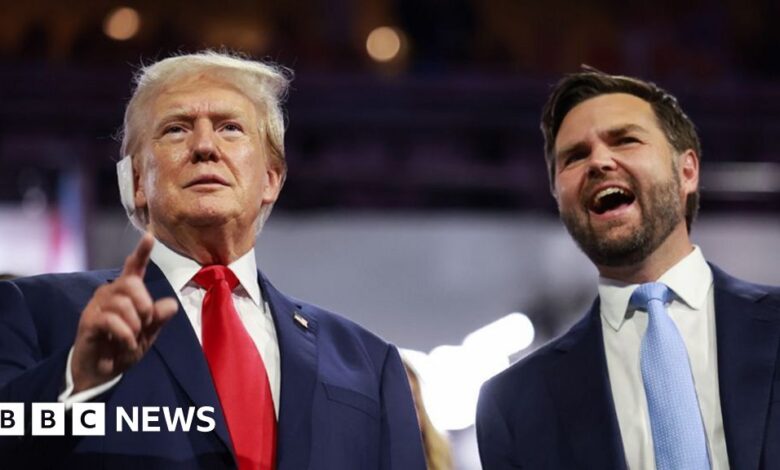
x=181 y=352
x=748 y=335
x=579 y=383
x=297 y=335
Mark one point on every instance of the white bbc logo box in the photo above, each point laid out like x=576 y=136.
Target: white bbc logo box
x=11 y=419
x=89 y=419
x=48 y=419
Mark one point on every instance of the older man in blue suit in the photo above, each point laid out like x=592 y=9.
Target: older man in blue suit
x=676 y=364
x=189 y=321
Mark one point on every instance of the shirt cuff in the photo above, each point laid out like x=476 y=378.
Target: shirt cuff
x=69 y=398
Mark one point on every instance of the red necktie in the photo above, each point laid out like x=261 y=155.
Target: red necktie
x=238 y=372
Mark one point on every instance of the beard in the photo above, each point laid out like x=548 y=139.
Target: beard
x=661 y=211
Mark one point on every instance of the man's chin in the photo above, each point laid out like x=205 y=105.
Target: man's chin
x=205 y=219
x=621 y=245
x=616 y=254
x=617 y=233
x=614 y=227
x=615 y=242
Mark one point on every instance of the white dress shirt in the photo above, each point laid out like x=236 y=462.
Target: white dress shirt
x=253 y=311
x=693 y=312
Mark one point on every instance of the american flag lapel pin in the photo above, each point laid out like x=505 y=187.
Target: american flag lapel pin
x=299 y=319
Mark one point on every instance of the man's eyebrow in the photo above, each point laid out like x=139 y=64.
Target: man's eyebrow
x=621 y=130
x=572 y=149
x=611 y=133
x=183 y=114
x=174 y=115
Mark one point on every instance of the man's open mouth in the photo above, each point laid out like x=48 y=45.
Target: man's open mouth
x=610 y=198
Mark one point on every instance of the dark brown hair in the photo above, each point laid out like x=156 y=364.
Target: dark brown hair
x=589 y=83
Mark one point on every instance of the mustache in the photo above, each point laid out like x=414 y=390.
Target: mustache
x=590 y=187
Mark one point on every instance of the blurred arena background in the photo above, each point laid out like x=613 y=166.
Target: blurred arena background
x=417 y=200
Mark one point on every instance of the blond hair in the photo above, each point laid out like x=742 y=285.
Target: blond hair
x=436 y=446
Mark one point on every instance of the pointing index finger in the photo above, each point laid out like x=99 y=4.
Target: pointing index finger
x=136 y=262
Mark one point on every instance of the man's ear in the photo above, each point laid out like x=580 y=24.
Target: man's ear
x=139 y=196
x=273 y=184
x=688 y=168
x=126 y=182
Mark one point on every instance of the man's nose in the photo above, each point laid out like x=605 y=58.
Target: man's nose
x=204 y=146
x=602 y=160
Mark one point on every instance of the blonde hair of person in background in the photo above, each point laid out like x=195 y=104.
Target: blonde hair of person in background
x=436 y=446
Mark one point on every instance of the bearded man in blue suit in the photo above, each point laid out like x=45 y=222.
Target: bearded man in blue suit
x=676 y=364
x=189 y=321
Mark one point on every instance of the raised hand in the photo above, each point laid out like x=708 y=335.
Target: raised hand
x=119 y=324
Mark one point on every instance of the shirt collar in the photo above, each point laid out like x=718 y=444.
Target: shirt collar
x=690 y=280
x=179 y=270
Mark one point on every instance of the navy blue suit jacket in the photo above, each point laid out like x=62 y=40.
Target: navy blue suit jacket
x=554 y=409
x=344 y=403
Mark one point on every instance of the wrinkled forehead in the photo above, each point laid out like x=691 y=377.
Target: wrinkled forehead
x=201 y=95
x=603 y=113
x=199 y=80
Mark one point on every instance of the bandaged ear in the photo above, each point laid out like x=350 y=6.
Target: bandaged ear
x=124 y=176
x=126 y=182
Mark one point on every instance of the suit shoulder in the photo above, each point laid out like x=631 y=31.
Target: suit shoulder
x=76 y=277
x=48 y=289
x=764 y=294
x=526 y=371
x=337 y=325
x=772 y=297
x=60 y=281
x=48 y=307
x=338 y=332
x=350 y=356
x=526 y=377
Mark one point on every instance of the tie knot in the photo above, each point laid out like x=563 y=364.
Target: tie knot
x=650 y=291
x=211 y=275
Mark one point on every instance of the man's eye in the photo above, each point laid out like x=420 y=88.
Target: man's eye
x=173 y=129
x=232 y=127
x=573 y=157
x=627 y=139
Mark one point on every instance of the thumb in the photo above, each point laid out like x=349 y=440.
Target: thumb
x=163 y=310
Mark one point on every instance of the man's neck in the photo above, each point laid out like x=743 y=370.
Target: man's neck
x=207 y=245
x=676 y=247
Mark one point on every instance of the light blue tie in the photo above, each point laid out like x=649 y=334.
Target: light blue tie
x=678 y=432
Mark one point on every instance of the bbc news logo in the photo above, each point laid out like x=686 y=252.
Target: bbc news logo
x=89 y=419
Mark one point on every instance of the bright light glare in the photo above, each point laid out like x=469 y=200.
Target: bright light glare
x=504 y=336
x=451 y=376
x=122 y=23
x=383 y=44
x=456 y=374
